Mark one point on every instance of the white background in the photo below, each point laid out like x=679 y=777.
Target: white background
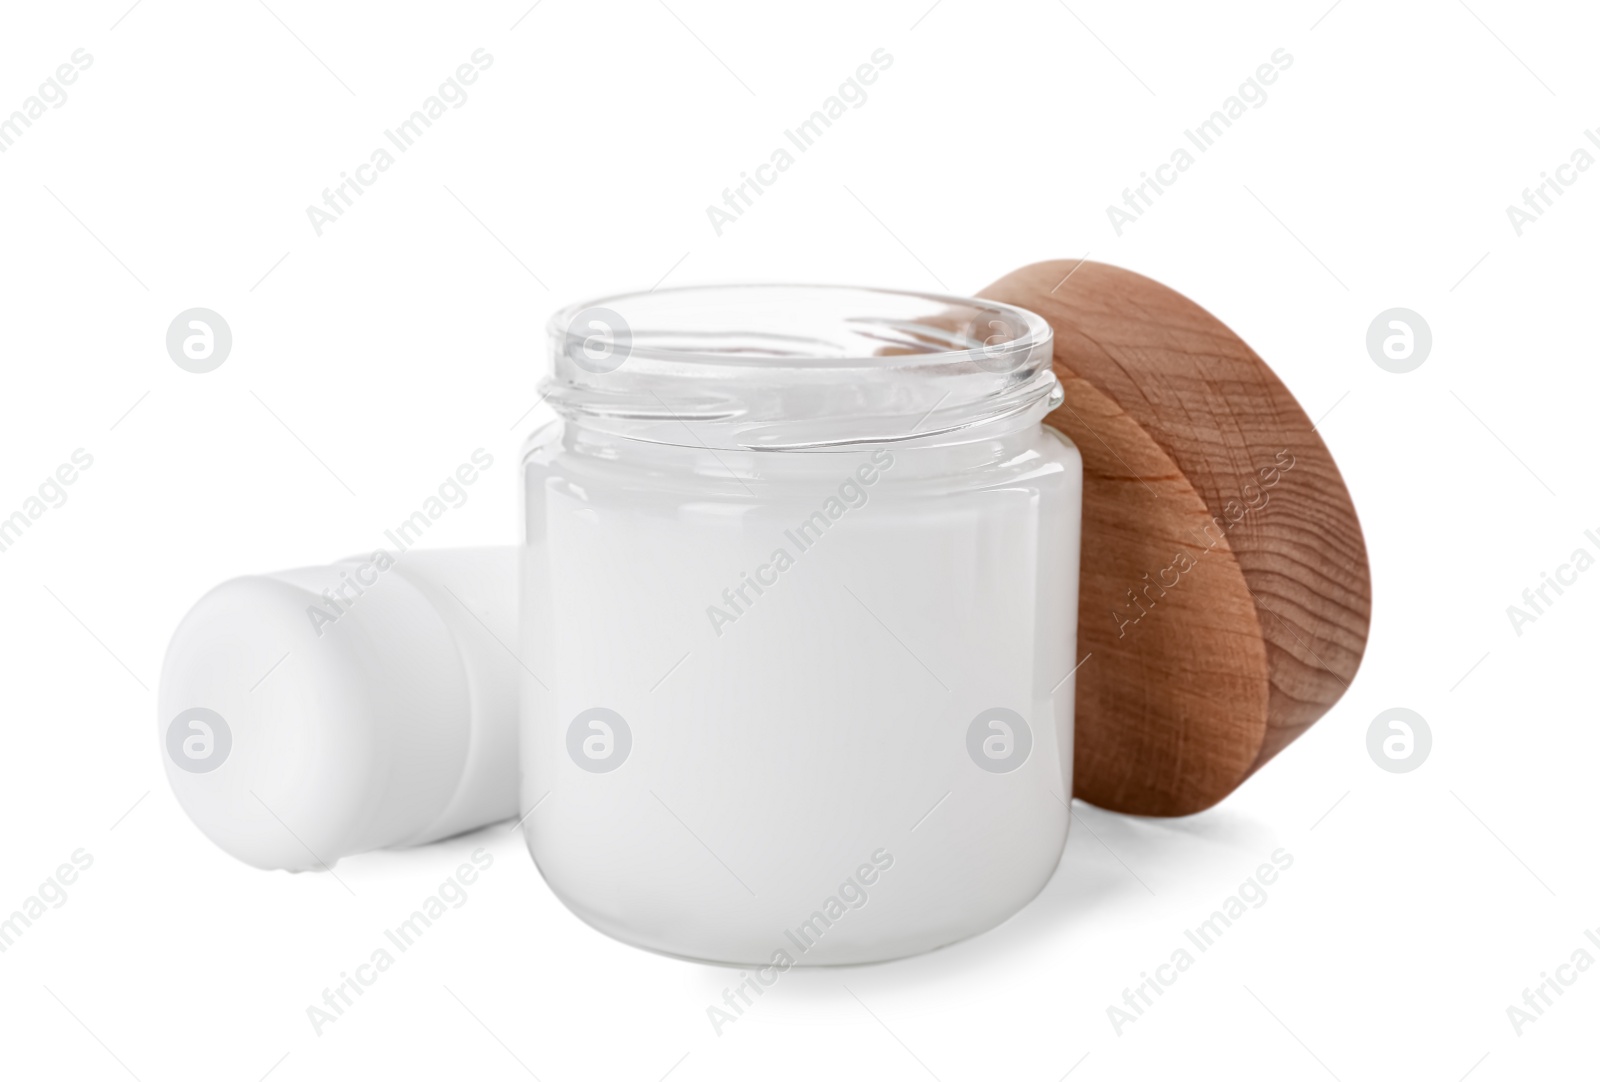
x=370 y=361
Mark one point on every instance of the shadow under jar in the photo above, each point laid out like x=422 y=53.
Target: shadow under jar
x=799 y=600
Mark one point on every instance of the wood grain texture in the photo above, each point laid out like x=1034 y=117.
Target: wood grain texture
x=1225 y=594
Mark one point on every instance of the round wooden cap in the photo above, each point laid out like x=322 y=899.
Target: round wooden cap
x=1225 y=596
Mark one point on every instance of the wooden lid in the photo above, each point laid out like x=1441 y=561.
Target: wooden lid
x=1225 y=596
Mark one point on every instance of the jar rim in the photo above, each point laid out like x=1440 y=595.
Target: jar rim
x=564 y=329
x=770 y=366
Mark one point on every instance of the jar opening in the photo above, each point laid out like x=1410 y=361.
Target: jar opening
x=795 y=367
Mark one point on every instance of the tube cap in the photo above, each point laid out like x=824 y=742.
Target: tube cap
x=311 y=714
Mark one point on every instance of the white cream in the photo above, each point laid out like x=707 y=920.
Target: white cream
x=809 y=704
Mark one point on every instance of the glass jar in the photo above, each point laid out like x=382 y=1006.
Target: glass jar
x=799 y=608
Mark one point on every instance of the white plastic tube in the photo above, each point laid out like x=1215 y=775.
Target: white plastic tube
x=307 y=715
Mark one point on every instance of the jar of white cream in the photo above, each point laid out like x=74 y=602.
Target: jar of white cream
x=799 y=603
